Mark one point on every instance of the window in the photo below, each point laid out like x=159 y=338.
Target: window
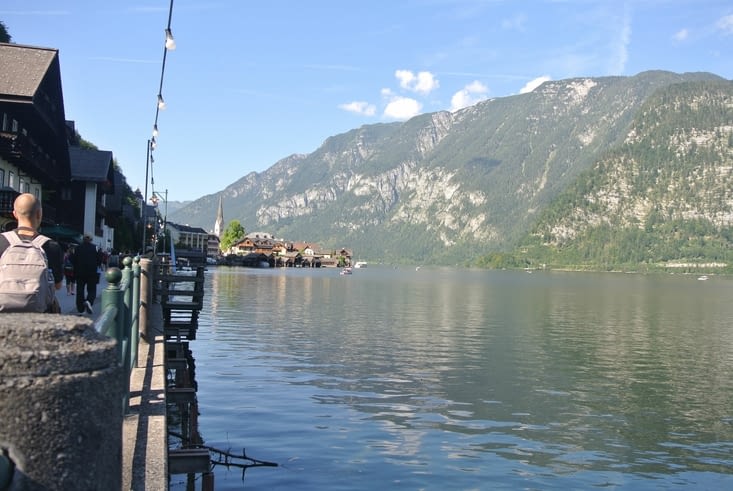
x=11 y=179
x=15 y=126
x=6 y=123
x=2 y=177
x=26 y=187
x=66 y=194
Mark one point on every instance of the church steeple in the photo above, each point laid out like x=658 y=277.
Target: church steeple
x=219 y=223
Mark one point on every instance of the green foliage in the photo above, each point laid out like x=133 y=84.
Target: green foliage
x=4 y=34
x=683 y=187
x=232 y=234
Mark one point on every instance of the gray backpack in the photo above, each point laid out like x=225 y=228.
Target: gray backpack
x=26 y=282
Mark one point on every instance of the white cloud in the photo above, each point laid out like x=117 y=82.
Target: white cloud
x=533 y=84
x=469 y=95
x=402 y=108
x=359 y=107
x=422 y=82
x=620 y=55
x=725 y=24
x=681 y=35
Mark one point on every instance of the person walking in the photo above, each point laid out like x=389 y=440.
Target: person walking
x=86 y=261
x=28 y=212
x=69 y=271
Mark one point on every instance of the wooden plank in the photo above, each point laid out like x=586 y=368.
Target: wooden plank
x=176 y=363
x=182 y=394
x=179 y=305
x=173 y=278
x=188 y=461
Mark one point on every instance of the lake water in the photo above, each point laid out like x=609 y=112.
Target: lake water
x=462 y=379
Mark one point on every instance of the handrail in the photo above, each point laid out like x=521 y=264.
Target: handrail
x=120 y=315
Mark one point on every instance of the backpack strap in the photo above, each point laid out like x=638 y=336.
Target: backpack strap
x=12 y=238
x=39 y=240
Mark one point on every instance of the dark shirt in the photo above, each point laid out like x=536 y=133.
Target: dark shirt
x=85 y=260
x=53 y=253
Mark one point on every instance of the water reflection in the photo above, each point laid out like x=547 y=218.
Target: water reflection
x=464 y=375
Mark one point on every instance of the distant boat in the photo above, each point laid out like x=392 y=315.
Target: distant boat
x=702 y=278
x=360 y=264
x=346 y=270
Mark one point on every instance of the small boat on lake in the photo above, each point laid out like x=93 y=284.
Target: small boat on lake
x=346 y=270
x=360 y=264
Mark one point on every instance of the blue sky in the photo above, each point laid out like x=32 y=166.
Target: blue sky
x=252 y=82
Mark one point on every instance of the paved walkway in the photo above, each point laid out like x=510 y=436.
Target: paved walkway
x=144 y=432
x=68 y=302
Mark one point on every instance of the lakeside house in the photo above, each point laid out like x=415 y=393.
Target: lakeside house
x=259 y=248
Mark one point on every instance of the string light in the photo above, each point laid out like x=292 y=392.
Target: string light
x=170 y=45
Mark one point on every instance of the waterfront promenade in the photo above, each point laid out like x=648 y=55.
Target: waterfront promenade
x=144 y=439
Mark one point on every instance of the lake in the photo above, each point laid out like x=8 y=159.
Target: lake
x=396 y=378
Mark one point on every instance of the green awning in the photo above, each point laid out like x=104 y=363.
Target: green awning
x=61 y=233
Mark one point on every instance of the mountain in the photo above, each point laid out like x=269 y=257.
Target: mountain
x=662 y=199
x=448 y=187
x=174 y=206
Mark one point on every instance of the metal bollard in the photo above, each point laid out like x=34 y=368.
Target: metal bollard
x=60 y=412
x=135 y=311
x=146 y=291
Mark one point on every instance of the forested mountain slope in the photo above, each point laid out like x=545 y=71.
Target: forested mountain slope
x=453 y=187
x=663 y=198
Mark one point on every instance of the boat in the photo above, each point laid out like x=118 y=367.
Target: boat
x=702 y=278
x=360 y=264
x=346 y=270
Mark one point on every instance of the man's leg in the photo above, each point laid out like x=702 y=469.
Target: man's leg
x=92 y=290
x=80 y=285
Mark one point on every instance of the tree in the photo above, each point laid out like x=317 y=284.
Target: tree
x=4 y=34
x=233 y=233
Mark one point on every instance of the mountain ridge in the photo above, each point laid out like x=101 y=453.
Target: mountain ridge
x=441 y=187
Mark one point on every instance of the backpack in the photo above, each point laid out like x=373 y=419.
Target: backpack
x=26 y=281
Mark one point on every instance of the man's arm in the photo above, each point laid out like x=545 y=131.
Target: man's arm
x=55 y=262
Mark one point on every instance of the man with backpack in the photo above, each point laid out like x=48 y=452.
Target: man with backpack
x=31 y=265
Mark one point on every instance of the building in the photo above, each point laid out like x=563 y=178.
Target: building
x=191 y=243
x=219 y=223
x=39 y=152
x=213 y=248
x=85 y=196
x=34 y=148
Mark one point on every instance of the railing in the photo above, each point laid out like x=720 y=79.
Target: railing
x=120 y=315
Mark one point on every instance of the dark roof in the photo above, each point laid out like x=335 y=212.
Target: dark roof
x=24 y=68
x=30 y=91
x=115 y=199
x=90 y=165
x=186 y=228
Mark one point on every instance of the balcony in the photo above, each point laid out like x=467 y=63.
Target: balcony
x=21 y=151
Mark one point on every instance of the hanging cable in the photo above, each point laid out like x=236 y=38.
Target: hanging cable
x=169 y=45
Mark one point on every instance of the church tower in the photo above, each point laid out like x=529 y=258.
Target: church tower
x=219 y=224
